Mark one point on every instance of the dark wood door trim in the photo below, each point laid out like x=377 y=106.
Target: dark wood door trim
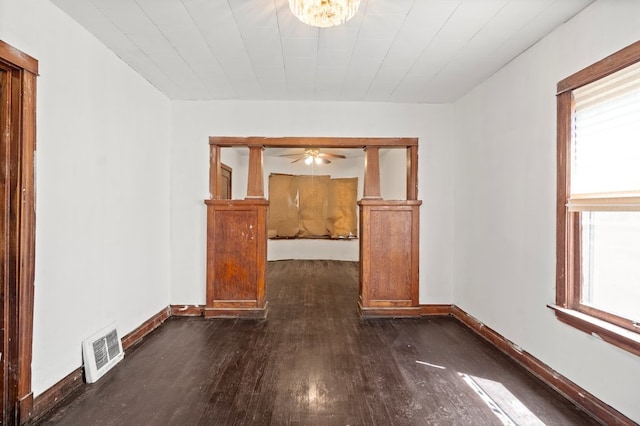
x=18 y=59
x=226 y=181
x=19 y=138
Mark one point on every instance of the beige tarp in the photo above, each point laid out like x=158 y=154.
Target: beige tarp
x=283 y=208
x=312 y=205
x=341 y=210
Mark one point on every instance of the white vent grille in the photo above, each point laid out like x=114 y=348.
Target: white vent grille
x=101 y=352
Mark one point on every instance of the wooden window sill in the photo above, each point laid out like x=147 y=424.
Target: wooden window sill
x=618 y=336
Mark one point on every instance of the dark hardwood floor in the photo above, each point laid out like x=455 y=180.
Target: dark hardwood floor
x=314 y=362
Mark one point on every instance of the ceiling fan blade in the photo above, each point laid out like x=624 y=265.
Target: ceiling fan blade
x=325 y=161
x=296 y=160
x=330 y=155
x=291 y=155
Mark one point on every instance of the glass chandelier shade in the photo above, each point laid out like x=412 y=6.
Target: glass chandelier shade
x=324 y=13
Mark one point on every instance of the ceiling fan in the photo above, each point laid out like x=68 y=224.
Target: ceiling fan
x=314 y=156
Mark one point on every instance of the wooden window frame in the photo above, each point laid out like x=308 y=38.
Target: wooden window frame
x=568 y=308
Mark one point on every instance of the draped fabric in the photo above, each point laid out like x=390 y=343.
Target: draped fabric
x=283 y=205
x=341 y=212
x=313 y=192
x=312 y=206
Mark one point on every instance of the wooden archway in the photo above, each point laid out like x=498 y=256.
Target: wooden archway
x=237 y=235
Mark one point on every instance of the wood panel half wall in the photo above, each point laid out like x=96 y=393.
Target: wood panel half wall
x=236 y=258
x=389 y=258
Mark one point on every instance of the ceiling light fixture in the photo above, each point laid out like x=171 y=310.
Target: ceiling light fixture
x=312 y=156
x=324 y=13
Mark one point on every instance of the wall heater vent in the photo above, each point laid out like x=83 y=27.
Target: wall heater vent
x=101 y=352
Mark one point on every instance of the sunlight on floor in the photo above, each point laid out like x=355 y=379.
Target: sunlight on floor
x=509 y=409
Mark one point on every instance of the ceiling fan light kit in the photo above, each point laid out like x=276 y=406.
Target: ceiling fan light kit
x=311 y=159
x=324 y=13
x=311 y=156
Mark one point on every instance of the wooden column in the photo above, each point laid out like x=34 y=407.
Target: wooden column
x=237 y=245
x=215 y=172
x=236 y=258
x=412 y=172
x=255 y=181
x=372 y=173
x=389 y=243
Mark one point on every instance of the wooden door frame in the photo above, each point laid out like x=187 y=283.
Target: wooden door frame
x=226 y=172
x=20 y=103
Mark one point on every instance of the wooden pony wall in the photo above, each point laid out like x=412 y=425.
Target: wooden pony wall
x=237 y=234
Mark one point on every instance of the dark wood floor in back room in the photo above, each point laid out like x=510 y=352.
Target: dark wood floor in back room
x=314 y=362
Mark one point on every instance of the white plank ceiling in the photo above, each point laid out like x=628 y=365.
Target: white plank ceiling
x=422 y=51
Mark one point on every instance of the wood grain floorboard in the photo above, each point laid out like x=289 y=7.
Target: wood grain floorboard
x=313 y=362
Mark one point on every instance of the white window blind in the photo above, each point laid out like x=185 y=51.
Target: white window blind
x=605 y=164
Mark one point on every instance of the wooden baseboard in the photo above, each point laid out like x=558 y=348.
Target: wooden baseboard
x=387 y=312
x=574 y=393
x=187 y=310
x=25 y=408
x=147 y=327
x=436 y=310
x=240 y=313
x=44 y=402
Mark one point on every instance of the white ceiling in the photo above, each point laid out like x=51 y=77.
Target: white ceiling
x=425 y=51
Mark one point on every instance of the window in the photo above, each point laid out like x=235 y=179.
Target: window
x=598 y=213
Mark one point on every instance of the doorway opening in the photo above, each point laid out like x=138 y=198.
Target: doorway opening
x=237 y=232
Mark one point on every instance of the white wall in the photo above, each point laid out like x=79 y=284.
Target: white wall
x=102 y=227
x=504 y=259
x=194 y=122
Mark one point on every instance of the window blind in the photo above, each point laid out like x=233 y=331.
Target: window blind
x=605 y=171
